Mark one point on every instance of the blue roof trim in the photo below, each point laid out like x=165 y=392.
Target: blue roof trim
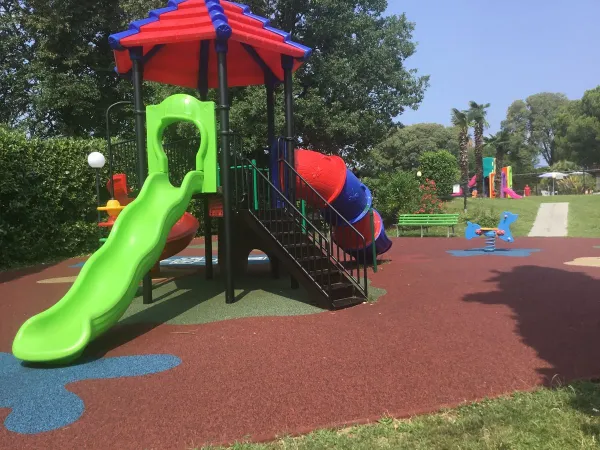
x=219 y=19
x=114 y=40
x=266 y=25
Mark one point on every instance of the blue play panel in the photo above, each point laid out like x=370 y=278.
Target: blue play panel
x=511 y=252
x=191 y=261
x=38 y=398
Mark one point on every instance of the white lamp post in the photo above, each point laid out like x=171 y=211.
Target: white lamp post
x=96 y=161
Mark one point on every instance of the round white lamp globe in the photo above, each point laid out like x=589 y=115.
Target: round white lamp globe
x=419 y=173
x=96 y=160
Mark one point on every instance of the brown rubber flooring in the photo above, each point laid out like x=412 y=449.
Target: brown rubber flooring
x=449 y=330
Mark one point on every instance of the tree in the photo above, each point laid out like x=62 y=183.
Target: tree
x=441 y=167
x=461 y=120
x=16 y=54
x=403 y=148
x=522 y=155
x=347 y=95
x=477 y=114
x=578 y=130
x=543 y=109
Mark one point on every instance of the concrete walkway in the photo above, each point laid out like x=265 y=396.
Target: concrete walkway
x=551 y=221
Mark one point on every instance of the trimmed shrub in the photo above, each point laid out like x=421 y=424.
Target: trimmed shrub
x=47 y=196
x=394 y=194
x=441 y=167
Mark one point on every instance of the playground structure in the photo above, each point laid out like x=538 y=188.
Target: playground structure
x=502 y=231
x=311 y=215
x=489 y=174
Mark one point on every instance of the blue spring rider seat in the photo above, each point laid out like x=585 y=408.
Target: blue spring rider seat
x=502 y=231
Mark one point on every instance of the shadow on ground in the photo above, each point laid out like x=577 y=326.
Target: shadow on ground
x=192 y=299
x=557 y=313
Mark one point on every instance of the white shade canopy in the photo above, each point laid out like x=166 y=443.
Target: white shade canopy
x=554 y=175
x=96 y=160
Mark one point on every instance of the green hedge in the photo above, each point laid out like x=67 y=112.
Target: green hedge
x=47 y=198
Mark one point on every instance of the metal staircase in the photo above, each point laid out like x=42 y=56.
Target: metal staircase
x=297 y=234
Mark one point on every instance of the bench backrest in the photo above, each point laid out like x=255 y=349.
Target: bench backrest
x=407 y=219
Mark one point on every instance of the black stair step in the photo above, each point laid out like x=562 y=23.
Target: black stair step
x=340 y=290
x=327 y=275
x=348 y=301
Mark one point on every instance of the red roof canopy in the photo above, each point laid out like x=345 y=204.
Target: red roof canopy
x=179 y=40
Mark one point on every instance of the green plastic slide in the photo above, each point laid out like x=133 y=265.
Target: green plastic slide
x=110 y=278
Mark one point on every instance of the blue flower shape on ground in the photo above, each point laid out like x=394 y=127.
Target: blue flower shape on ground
x=512 y=252
x=38 y=396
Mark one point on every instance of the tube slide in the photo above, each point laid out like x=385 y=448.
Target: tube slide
x=109 y=280
x=472 y=183
x=511 y=193
x=330 y=177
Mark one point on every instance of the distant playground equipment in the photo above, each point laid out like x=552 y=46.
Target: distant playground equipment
x=502 y=231
x=308 y=212
x=489 y=173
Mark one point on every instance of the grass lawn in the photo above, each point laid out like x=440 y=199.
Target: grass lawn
x=584 y=214
x=565 y=418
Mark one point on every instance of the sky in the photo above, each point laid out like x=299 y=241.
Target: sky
x=498 y=51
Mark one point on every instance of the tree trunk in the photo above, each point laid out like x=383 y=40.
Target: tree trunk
x=463 y=161
x=498 y=175
x=479 y=157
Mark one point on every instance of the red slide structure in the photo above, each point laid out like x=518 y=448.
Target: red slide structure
x=180 y=236
x=330 y=177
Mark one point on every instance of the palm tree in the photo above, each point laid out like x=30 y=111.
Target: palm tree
x=500 y=142
x=477 y=114
x=462 y=120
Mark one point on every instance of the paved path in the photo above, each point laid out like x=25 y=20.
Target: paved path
x=551 y=220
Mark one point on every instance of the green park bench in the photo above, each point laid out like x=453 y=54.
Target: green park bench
x=427 y=220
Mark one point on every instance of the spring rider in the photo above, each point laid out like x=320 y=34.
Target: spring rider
x=502 y=231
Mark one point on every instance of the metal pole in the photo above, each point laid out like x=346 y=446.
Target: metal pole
x=372 y=216
x=109 y=146
x=221 y=48
x=270 y=112
x=98 y=192
x=287 y=63
x=208 y=250
x=137 y=76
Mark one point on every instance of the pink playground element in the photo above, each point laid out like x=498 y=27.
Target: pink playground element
x=511 y=193
x=471 y=184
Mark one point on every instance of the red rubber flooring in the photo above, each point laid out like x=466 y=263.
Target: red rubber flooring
x=449 y=330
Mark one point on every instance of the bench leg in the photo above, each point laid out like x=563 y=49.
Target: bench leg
x=421 y=230
x=453 y=233
x=448 y=233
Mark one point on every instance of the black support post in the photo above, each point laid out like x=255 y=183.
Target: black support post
x=203 y=90
x=287 y=63
x=137 y=76
x=221 y=48
x=270 y=84
x=272 y=158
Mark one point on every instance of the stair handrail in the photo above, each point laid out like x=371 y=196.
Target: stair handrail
x=362 y=287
